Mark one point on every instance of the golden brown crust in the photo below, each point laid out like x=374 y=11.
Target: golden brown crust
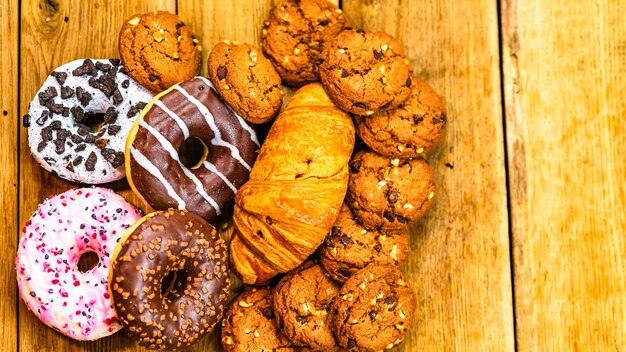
x=296 y=187
x=246 y=80
x=158 y=50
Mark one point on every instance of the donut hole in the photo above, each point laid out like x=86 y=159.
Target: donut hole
x=193 y=152
x=174 y=282
x=94 y=120
x=87 y=261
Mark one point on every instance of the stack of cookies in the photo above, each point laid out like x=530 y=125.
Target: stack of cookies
x=350 y=294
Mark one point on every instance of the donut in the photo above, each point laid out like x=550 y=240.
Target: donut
x=64 y=132
x=63 y=228
x=189 y=111
x=169 y=279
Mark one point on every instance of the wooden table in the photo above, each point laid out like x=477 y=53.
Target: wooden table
x=525 y=248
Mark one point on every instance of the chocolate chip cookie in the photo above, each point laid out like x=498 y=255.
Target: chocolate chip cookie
x=374 y=309
x=350 y=247
x=301 y=303
x=409 y=130
x=158 y=50
x=249 y=324
x=364 y=72
x=386 y=193
x=246 y=80
x=295 y=34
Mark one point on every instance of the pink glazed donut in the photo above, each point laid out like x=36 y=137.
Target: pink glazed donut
x=64 y=227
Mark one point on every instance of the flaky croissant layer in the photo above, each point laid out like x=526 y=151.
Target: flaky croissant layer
x=296 y=187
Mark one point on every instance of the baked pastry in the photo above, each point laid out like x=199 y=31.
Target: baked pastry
x=49 y=278
x=246 y=80
x=183 y=250
x=364 y=72
x=374 y=309
x=349 y=247
x=302 y=300
x=158 y=50
x=164 y=172
x=388 y=194
x=295 y=34
x=67 y=132
x=296 y=187
x=249 y=324
x=409 y=130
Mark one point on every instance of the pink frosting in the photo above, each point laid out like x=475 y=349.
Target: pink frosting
x=63 y=228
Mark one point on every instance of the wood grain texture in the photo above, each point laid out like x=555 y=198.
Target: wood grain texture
x=9 y=121
x=52 y=34
x=565 y=89
x=459 y=261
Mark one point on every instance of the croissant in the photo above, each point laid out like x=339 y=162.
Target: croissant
x=296 y=187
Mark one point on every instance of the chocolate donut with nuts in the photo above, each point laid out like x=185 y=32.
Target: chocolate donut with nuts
x=169 y=279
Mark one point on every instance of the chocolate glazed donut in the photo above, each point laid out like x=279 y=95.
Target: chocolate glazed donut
x=162 y=245
x=191 y=109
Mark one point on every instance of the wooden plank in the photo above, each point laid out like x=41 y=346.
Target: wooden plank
x=54 y=33
x=459 y=262
x=8 y=177
x=565 y=85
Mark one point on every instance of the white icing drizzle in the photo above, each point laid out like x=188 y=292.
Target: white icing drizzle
x=214 y=170
x=179 y=121
x=242 y=122
x=217 y=140
x=148 y=166
x=170 y=149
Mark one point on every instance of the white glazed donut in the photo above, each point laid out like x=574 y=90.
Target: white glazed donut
x=63 y=228
x=58 y=132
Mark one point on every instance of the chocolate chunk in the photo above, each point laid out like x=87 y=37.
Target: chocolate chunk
x=83 y=130
x=70 y=167
x=221 y=72
x=90 y=138
x=41 y=146
x=390 y=300
x=66 y=111
x=26 y=120
x=117 y=97
x=355 y=165
x=107 y=85
x=344 y=272
x=78 y=160
x=132 y=112
x=113 y=129
x=90 y=164
x=102 y=66
x=56 y=108
x=345 y=240
x=344 y=73
x=408 y=82
x=60 y=146
x=101 y=143
x=110 y=115
x=268 y=220
x=140 y=105
x=83 y=96
x=116 y=159
x=378 y=54
x=441 y=119
x=335 y=231
x=42 y=119
x=179 y=25
x=402 y=219
x=377 y=247
x=79 y=113
x=63 y=133
x=360 y=30
x=268 y=312
x=306 y=40
x=50 y=161
x=60 y=77
x=46 y=134
x=93 y=83
x=76 y=138
x=372 y=314
x=360 y=106
x=323 y=22
x=87 y=68
x=152 y=77
x=45 y=97
x=392 y=196
x=302 y=320
x=126 y=84
x=80 y=148
x=351 y=343
x=55 y=125
x=115 y=62
x=389 y=216
x=417 y=119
